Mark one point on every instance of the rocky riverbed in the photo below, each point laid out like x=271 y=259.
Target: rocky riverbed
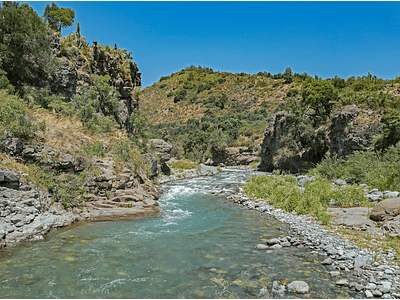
x=368 y=273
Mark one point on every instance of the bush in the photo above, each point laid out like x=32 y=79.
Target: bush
x=377 y=169
x=283 y=192
x=183 y=164
x=14 y=118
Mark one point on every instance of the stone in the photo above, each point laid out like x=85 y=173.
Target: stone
x=9 y=179
x=368 y=294
x=371 y=286
x=162 y=148
x=276 y=247
x=385 y=287
x=285 y=244
x=392 y=227
x=278 y=288
x=299 y=287
x=391 y=194
x=342 y=282
x=204 y=170
x=386 y=210
x=340 y=182
x=334 y=273
x=361 y=261
x=376 y=293
x=273 y=241
x=327 y=261
x=261 y=247
x=374 y=195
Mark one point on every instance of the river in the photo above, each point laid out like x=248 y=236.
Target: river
x=201 y=246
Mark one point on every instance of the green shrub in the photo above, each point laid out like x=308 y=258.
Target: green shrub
x=283 y=192
x=96 y=149
x=379 y=169
x=183 y=164
x=14 y=117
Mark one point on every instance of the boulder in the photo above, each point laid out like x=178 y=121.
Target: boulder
x=386 y=210
x=9 y=179
x=299 y=287
x=204 y=170
x=393 y=227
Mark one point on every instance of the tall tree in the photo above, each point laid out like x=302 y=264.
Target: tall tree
x=58 y=18
x=25 y=44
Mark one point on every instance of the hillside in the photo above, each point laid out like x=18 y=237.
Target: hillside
x=202 y=112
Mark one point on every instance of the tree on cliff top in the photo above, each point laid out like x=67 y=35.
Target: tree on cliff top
x=58 y=18
x=319 y=96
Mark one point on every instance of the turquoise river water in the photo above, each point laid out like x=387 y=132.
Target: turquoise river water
x=200 y=247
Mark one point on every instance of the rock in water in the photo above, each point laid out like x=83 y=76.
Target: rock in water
x=261 y=247
x=299 y=287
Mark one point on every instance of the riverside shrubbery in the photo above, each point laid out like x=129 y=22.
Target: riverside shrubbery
x=283 y=192
x=377 y=169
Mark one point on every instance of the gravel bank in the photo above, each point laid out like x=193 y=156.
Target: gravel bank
x=368 y=273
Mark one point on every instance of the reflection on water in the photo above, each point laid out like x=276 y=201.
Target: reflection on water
x=201 y=247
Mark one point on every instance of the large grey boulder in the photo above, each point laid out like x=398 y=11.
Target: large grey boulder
x=386 y=210
x=204 y=170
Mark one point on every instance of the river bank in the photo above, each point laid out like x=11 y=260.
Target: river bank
x=367 y=272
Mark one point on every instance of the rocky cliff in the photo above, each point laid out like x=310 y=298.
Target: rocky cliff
x=348 y=130
x=78 y=62
x=29 y=212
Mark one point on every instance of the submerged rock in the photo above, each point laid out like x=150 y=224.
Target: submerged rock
x=299 y=287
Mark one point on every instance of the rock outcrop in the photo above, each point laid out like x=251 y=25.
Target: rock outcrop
x=277 y=151
x=348 y=130
x=234 y=156
x=77 y=68
x=28 y=213
x=353 y=129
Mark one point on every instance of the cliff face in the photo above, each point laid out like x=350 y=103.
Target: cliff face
x=349 y=130
x=78 y=63
x=28 y=212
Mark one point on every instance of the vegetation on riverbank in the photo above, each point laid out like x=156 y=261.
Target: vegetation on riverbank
x=284 y=192
x=380 y=169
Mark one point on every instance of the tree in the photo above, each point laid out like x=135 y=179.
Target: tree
x=58 y=18
x=319 y=95
x=25 y=45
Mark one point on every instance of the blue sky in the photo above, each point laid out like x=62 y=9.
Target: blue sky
x=323 y=38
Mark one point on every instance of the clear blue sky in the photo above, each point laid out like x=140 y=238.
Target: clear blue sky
x=323 y=38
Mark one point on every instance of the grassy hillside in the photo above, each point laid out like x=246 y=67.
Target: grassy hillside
x=200 y=105
x=201 y=111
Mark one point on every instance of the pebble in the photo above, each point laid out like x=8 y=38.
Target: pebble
x=342 y=282
x=299 y=287
x=368 y=294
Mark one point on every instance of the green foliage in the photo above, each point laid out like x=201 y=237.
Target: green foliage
x=319 y=96
x=283 y=192
x=96 y=149
x=391 y=129
x=98 y=105
x=39 y=96
x=58 y=18
x=126 y=154
x=14 y=118
x=25 y=45
x=183 y=164
x=377 y=169
x=140 y=123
